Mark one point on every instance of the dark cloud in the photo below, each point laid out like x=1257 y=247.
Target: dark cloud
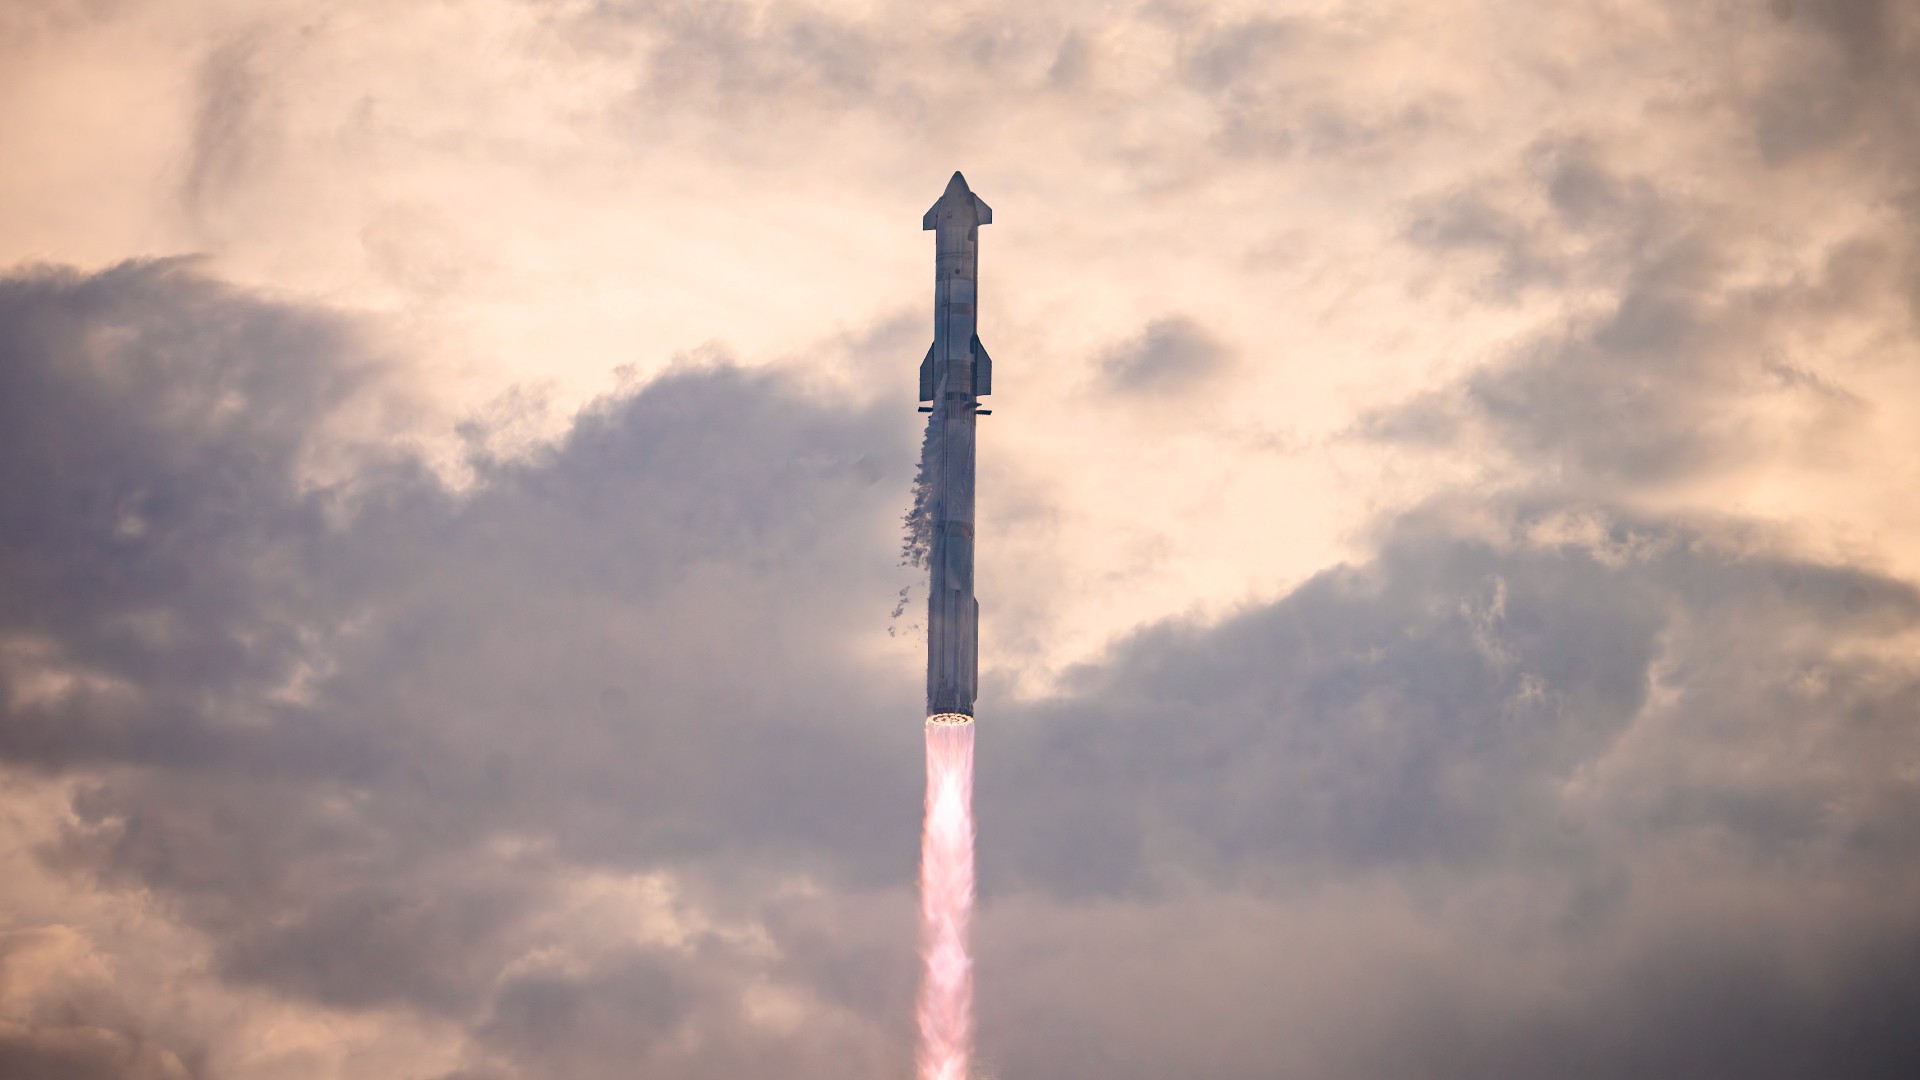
x=1468 y=222
x=155 y=420
x=1275 y=87
x=1171 y=355
x=763 y=67
x=1683 y=373
x=588 y=1027
x=1259 y=88
x=1430 y=707
x=1701 y=1006
x=1570 y=218
x=369 y=739
x=1668 y=383
x=308 y=742
x=82 y=1053
x=1694 y=364
x=1848 y=85
x=1572 y=738
x=1348 y=986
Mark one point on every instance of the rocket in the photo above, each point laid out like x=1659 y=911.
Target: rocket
x=956 y=374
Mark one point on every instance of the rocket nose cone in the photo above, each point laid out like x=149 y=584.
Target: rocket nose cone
x=955 y=205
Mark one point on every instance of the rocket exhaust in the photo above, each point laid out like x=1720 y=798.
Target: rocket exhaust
x=946 y=904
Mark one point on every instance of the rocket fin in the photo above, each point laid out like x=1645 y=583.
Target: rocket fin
x=926 y=376
x=982 y=369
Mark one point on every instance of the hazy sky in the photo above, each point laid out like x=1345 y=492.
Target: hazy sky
x=1450 y=571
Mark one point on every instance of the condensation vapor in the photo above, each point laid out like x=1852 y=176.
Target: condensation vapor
x=918 y=542
x=946 y=904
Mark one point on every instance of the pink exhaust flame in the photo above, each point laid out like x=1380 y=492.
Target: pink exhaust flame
x=946 y=903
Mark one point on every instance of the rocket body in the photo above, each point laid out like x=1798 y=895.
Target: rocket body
x=955 y=375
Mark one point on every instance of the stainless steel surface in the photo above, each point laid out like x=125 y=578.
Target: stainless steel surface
x=954 y=375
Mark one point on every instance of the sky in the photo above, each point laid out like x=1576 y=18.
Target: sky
x=1449 y=579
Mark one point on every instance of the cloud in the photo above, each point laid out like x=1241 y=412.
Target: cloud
x=597 y=758
x=1848 y=76
x=226 y=126
x=578 y=1026
x=1686 y=366
x=373 y=743
x=1170 y=355
x=1538 y=788
x=1440 y=704
x=315 y=743
x=83 y=1053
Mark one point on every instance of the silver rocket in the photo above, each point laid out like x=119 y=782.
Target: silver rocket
x=953 y=378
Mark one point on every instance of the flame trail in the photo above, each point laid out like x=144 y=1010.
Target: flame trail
x=946 y=903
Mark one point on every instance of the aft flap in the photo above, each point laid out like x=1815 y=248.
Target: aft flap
x=926 y=376
x=982 y=369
